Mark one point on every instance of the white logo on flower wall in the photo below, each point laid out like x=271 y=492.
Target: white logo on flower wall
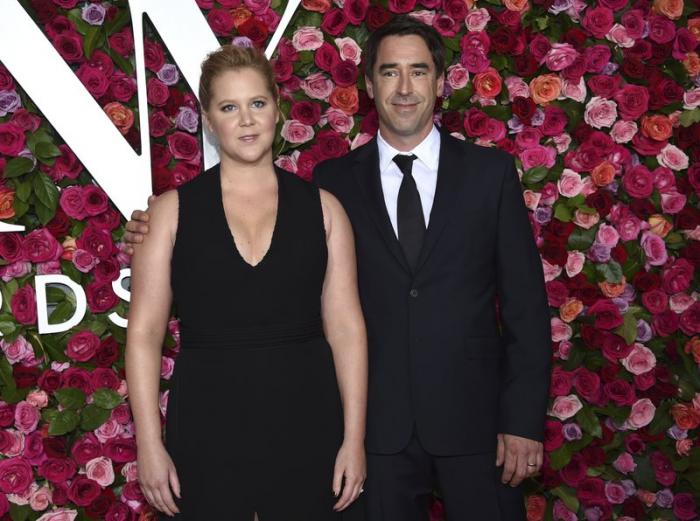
x=122 y=173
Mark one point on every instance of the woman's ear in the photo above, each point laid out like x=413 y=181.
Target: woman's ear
x=205 y=121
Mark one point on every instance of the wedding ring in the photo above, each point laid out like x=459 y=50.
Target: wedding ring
x=532 y=464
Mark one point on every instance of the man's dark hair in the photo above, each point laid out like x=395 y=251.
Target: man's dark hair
x=405 y=25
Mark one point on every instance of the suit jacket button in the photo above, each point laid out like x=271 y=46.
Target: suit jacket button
x=413 y=293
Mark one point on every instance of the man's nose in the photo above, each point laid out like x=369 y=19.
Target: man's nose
x=404 y=86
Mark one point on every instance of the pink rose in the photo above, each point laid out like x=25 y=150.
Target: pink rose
x=538 y=155
x=570 y=183
x=575 y=90
x=82 y=346
x=16 y=351
x=457 y=76
x=574 y=263
x=40 y=499
x=641 y=414
x=339 y=120
x=618 y=35
x=607 y=235
x=317 y=86
x=625 y=463
x=23 y=305
x=349 y=50
x=72 y=202
x=654 y=249
x=294 y=131
x=475 y=60
x=672 y=202
x=640 y=360
x=565 y=407
x=516 y=88
x=551 y=271
x=600 y=112
x=679 y=302
x=586 y=220
x=307 y=38
x=62 y=514
x=673 y=157
x=84 y=261
x=100 y=470
x=615 y=493
x=560 y=56
x=15 y=475
x=476 y=19
x=167 y=365
x=289 y=162
x=629 y=227
x=532 y=199
x=623 y=131
x=26 y=417
x=560 y=330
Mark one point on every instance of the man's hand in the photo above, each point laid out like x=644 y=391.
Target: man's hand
x=136 y=228
x=520 y=457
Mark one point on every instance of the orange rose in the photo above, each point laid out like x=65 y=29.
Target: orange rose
x=545 y=88
x=672 y=9
x=536 y=505
x=657 y=127
x=488 y=84
x=121 y=116
x=320 y=6
x=240 y=16
x=612 y=289
x=646 y=497
x=685 y=416
x=603 y=174
x=519 y=6
x=692 y=63
x=7 y=203
x=570 y=309
x=345 y=99
x=69 y=247
x=692 y=346
x=659 y=225
x=694 y=27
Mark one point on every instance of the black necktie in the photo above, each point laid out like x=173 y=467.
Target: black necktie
x=409 y=212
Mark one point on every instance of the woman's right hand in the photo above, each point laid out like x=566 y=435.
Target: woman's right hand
x=157 y=476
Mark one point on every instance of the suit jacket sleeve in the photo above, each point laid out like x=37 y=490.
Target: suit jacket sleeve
x=524 y=317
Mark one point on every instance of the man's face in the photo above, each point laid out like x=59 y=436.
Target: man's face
x=404 y=86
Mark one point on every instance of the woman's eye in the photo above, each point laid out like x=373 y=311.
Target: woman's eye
x=258 y=104
x=227 y=108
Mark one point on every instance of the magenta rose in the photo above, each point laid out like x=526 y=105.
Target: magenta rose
x=587 y=384
x=86 y=448
x=122 y=42
x=96 y=200
x=184 y=146
x=82 y=346
x=67 y=165
x=122 y=87
x=596 y=57
x=159 y=124
x=345 y=73
x=101 y=296
x=15 y=475
x=12 y=139
x=655 y=300
x=25 y=119
x=157 y=92
x=307 y=112
x=690 y=319
x=401 y=6
x=475 y=122
x=598 y=21
x=95 y=81
x=69 y=45
x=72 y=202
x=677 y=277
x=154 y=55
x=23 y=305
x=107 y=270
x=83 y=491
x=620 y=392
x=326 y=57
x=26 y=417
x=58 y=470
x=665 y=323
x=84 y=261
x=553 y=435
x=607 y=315
x=41 y=246
x=11 y=247
x=575 y=471
x=105 y=377
x=120 y=450
x=334 y=22
x=638 y=182
x=356 y=10
x=663 y=468
x=684 y=506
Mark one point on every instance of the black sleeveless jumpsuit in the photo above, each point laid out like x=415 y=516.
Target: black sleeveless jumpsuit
x=254 y=419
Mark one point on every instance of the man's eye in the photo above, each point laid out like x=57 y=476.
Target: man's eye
x=389 y=73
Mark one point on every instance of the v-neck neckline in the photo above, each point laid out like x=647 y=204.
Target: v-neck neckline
x=231 y=235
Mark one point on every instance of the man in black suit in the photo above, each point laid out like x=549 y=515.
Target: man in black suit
x=441 y=234
x=457 y=391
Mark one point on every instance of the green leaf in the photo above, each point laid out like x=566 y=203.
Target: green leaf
x=562 y=212
x=117 y=23
x=21 y=208
x=18 y=166
x=68 y=268
x=589 y=422
x=62 y=312
x=64 y=422
x=581 y=239
x=611 y=271
x=70 y=397
x=46 y=152
x=19 y=512
x=690 y=116
x=93 y=39
x=92 y=417
x=124 y=64
x=23 y=189
x=43 y=213
x=644 y=474
x=54 y=348
x=628 y=329
x=535 y=175
x=6 y=377
x=106 y=398
x=45 y=190
x=7 y=327
x=452 y=44
x=568 y=496
x=48 y=414
x=560 y=458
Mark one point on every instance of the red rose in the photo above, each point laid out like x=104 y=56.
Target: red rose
x=58 y=470
x=575 y=71
x=603 y=85
x=183 y=172
x=607 y=315
x=25 y=376
x=619 y=392
x=587 y=384
x=108 y=352
x=159 y=124
x=614 y=347
x=655 y=301
x=677 y=277
x=356 y=10
x=663 y=469
x=107 y=270
x=553 y=435
x=475 y=122
x=377 y=16
x=28 y=121
x=345 y=73
x=306 y=162
x=86 y=448
x=60 y=225
x=561 y=382
x=6 y=81
x=307 y=112
x=121 y=450
x=69 y=45
x=457 y=10
x=132 y=492
x=331 y=144
x=23 y=305
x=220 y=21
x=66 y=165
x=96 y=200
x=598 y=21
x=157 y=92
x=101 y=296
x=78 y=378
x=283 y=69
x=401 y=6
x=632 y=101
x=665 y=323
x=122 y=87
x=11 y=247
x=334 y=22
x=684 y=506
x=153 y=55
x=596 y=57
x=118 y=512
x=536 y=507
x=50 y=380
x=601 y=200
x=255 y=29
x=160 y=156
x=94 y=80
x=326 y=57
x=575 y=471
x=15 y=475
x=55 y=447
x=12 y=139
x=104 y=377
x=645 y=281
x=82 y=346
x=96 y=241
x=59 y=495
x=184 y=146
x=591 y=491
x=83 y=491
x=690 y=319
x=122 y=42
x=99 y=507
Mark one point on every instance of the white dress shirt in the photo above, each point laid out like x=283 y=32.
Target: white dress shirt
x=424 y=172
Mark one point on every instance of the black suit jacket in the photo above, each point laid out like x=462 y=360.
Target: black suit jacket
x=437 y=356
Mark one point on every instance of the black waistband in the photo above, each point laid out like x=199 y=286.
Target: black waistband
x=252 y=336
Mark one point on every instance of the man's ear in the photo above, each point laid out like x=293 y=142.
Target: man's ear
x=369 y=86
x=441 y=85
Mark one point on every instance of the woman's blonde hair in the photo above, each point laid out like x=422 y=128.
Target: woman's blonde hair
x=230 y=58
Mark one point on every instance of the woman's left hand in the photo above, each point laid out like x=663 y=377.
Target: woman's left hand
x=349 y=474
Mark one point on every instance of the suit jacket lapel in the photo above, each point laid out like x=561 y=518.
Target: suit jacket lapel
x=366 y=171
x=452 y=168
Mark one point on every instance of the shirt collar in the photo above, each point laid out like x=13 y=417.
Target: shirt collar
x=427 y=151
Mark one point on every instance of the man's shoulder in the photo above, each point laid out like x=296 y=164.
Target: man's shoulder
x=478 y=153
x=332 y=171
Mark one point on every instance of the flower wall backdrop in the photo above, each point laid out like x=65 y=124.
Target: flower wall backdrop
x=599 y=102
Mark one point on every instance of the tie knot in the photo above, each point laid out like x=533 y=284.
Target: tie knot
x=404 y=162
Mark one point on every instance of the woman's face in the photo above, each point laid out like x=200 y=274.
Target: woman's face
x=242 y=115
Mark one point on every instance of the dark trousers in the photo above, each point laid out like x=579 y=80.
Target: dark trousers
x=399 y=487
